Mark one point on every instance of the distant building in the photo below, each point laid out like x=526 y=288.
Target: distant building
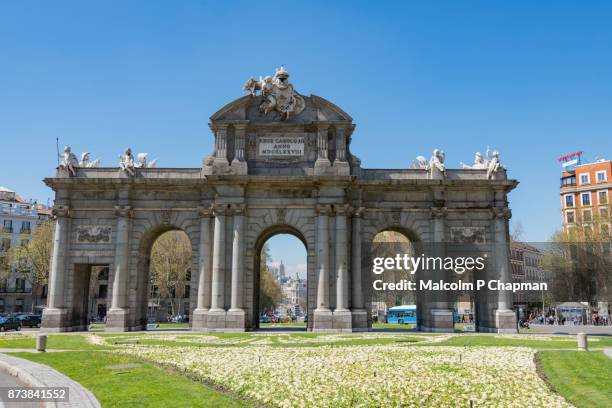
x=526 y=267
x=18 y=221
x=585 y=198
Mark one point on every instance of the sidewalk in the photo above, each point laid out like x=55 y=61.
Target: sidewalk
x=571 y=329
x=39 y=375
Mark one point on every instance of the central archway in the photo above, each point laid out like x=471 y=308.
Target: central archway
x=288 y=304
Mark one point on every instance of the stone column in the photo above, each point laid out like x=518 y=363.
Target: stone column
x=322 y=164
x=54 y=316
x=204 y=265
x=437 y=315
x=239 y=164
x=221 y=146
x=116 y=319
x=341 y=163
x=359 y=314
x=505 y=318
x=342 y=315
x=322 y=314
x=236 y=315
x=216 y=314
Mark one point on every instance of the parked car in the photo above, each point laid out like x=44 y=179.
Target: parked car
x=29 y=320
x=9 y=323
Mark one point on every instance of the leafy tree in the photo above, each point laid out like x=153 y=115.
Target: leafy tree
x=270 y=294
x=32 y=261
x=170 y=264
x=580 y=258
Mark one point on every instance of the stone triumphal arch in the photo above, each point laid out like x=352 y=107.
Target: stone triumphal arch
x=281 y=163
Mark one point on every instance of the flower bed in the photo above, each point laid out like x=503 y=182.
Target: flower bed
x=365 y=376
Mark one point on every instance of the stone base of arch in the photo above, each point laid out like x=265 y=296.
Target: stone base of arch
x=359 y=320
x=55 y=320
x=438 y=321
x=117 y=321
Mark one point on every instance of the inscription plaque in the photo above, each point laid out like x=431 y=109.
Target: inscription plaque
x=281 y=146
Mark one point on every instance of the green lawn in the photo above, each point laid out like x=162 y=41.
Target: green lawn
x=98 y=327
x=54 y=341
x=525 y=341
x=147 y=385
x=583 y=378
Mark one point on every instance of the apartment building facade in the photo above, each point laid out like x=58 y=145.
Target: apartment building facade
x=585 y=199
x=18 y=221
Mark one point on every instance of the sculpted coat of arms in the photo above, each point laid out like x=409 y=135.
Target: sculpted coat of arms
x=277 y=94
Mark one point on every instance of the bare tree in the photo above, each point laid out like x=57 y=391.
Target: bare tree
x=170 y=263
x=516 y=231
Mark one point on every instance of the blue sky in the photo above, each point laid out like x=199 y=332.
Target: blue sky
x=532 y=79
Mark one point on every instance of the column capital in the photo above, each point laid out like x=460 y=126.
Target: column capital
x=501 y=213
x=439 y=212
x=344 y=209
x=358 y=212
x=238 y=209
x=60 y=211
x=205 y=212
x=324 y=209
x=123 y=211
x=219 y=209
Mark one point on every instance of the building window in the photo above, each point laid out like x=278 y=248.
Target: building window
x=103 y=273
x=568 y=181
x=586 y=199
x=187 y=291
x=605 y=231
x=588 y=232
x=20 y=285
x=1 y=305
x=587 y=216
x=5 y=244
x=602 y=197
x=8 y=226
x=602 y=177
x=569 y=200
x=103 y=292
x=25 y=227
x=585 y=178
x=604 y=214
